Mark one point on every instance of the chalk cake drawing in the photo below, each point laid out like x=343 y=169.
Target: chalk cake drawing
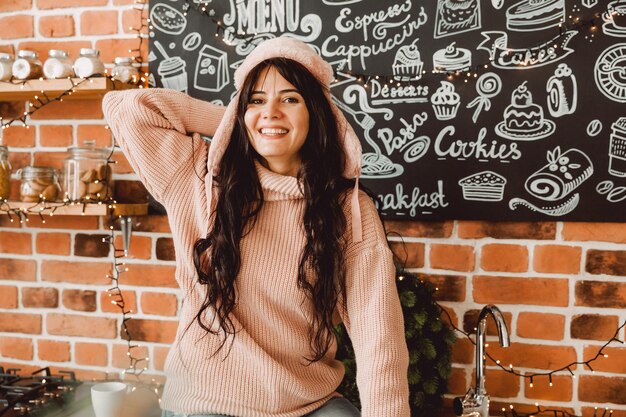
x=211 y=69
x=594 y=128
x=562 y=91
x=456 y=16
x=451 y=59
x=617 y=148
x=407 y=63
x=534 y=15
x=172 y=70
x=167 y=19
x=488 y=86
x=523 y=120
x=615 y=19
x=445 y=101
x=483 y=186
x=610 y=72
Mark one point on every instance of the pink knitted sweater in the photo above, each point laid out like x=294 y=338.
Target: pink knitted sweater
x=263 y=372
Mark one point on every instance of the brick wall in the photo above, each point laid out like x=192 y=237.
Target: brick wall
x=561 y=286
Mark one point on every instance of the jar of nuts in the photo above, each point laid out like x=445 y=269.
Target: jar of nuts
x=5 y=173
x=39 y=183
x=88 y=174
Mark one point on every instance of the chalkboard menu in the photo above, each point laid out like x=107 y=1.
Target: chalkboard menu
x=467 y=109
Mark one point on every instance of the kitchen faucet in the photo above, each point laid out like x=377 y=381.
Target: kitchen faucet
x=476 y=401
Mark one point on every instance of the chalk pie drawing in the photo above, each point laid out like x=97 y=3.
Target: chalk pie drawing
x=594 y=128
x=483 y=186
x=152 y=56
x=562 y=92
x=615 y=19
x=533 y=15
x=167 y=19
x=610 y=72
x=613 y=194
x=617 y=148
x=523 y=120
x=497 y=4
x=456 y=16
x=408 y=64
x=488 y=86
x=211 y=69
x=556 y=180
x=192 y=41
x=451 y=59
x=172 y=70
x=151 y=80
x=445 y=101
x=374 y=165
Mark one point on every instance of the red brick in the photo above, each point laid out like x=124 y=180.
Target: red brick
x=85 y=326
x=452 y=257
x=70 y=109
x=95 y=22
x=12 y=5
x=20 y=323
x=160 y=304
x=158 y=331
x=8 y=297
x=470 y=322
x=463 y=351
x=601 y=389
x=140 y=246
x=409 y=254
x=42 y=48
x=128 y=191
x=532 y=356
x=159 y=357
x=95 y=246
x=561 y=389
x=66 y=222
x=53 y=243
x=111 y=48
x=120 y=357
x=507 y=230
x=458 y=381
x=601 y=232
x=150 y=276
x=54 y=4
x=79 y=300
x=93 y=354
x=447 y=287
x=61 y=26
x=150 y=223
x=500 y=384
x=600 y=294
x=541 y=326
x=593 y=327
x=19 y=159
x=609 y=262
x=121 y=165
x=17 y=243
x=123 y=2
x=53 y=350
x=527 y=291
x=16 y=348
x=615 y=362
x=128 y=298
x=33 y=297
x=76 y=272
x=19 y=136
x=557 y=259
x=504 y=258
x=55 y=135
x=409 y=228
x=131 y=19
x=593 y=412
x=165 y=249
x=18 y=270
x=99 y=133
x=17 y=26
x=50 y=159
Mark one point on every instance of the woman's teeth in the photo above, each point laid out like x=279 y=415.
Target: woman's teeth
x=273 y=131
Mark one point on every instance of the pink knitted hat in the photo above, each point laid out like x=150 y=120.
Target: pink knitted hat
x=302 y=53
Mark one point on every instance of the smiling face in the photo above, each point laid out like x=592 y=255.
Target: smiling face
x=277 y=122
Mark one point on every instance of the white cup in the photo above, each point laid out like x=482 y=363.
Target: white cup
x=107 y=398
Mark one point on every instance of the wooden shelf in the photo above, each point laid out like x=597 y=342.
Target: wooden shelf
x=91 y=89
x=80 y=209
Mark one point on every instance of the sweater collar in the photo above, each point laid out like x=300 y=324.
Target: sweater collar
x=277 y=187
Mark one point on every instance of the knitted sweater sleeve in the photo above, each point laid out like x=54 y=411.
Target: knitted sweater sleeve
x=152 y=126
x=374 y=320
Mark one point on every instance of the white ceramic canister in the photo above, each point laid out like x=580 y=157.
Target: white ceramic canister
x=124 y=71
x=58 y=65
x=88 y=63
x=6 y=66
x=27 y=65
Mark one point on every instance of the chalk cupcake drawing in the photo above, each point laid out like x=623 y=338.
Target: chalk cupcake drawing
x=488 y=86
x=211 y=69
x=533 y=15
x=172 y=70
x=451 y=59
x=445 y=101
x=483 y=186
x=556 y=180
x=615 y=19
x=523 y=120
x=610 y=72
x=408 y=64
x=456 y=16
x=167 y=19
x=617 y=148
x=562 y=92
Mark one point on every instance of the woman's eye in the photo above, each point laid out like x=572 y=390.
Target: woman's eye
x=292 y=100
x=255 y=101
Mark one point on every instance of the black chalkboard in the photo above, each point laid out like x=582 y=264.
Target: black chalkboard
x=468 y=109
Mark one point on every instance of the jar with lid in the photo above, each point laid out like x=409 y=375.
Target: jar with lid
x=87 y=174
x=5 y=173
x=88 y=63
x=124 y=71
x=58 y=65
x=27 y=65
x=6 y=66
x=39 y=183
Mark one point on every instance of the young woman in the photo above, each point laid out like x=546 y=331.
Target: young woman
x=274 y=244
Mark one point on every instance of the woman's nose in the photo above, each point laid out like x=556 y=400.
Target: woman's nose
x=271 y=110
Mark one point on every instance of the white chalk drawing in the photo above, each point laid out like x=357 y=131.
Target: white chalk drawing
x=311 y=26
x=523 y=120
x=610 y=72
x=562 y=91
x=398 y=201
x=451 y=59
x=613 y=194
x=456 y=16
x=192 y=41
x=151 y=80
x=497 y=4
x=594 y=128
x=615 y=19
x=405 y=141
x=152 y=56
x=172 y=70
x=445 y=101
x=590 y=3
x=488 y=86
x=408 y=64
x=447 y=145
x=617 y=148
x=172 y=45
x=533 y=15
x=340 y=2
x=555 y=210
x=483 y=186
x=167 y=19
x=525 y=58
x=211 y=69
x=382 y=93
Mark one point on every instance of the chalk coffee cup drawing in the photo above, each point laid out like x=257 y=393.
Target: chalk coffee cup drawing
x=107 y=398
x=173 y=74
x=617 y=12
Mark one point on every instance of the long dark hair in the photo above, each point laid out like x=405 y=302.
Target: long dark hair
x=217 y=257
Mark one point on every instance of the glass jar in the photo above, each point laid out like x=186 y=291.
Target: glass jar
x=88 y=63
x=6 y=66
x=39 y=183
x=58 y=65
x=88 y=175
x=124 y=71
x=5 y=173
x=27 y=65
